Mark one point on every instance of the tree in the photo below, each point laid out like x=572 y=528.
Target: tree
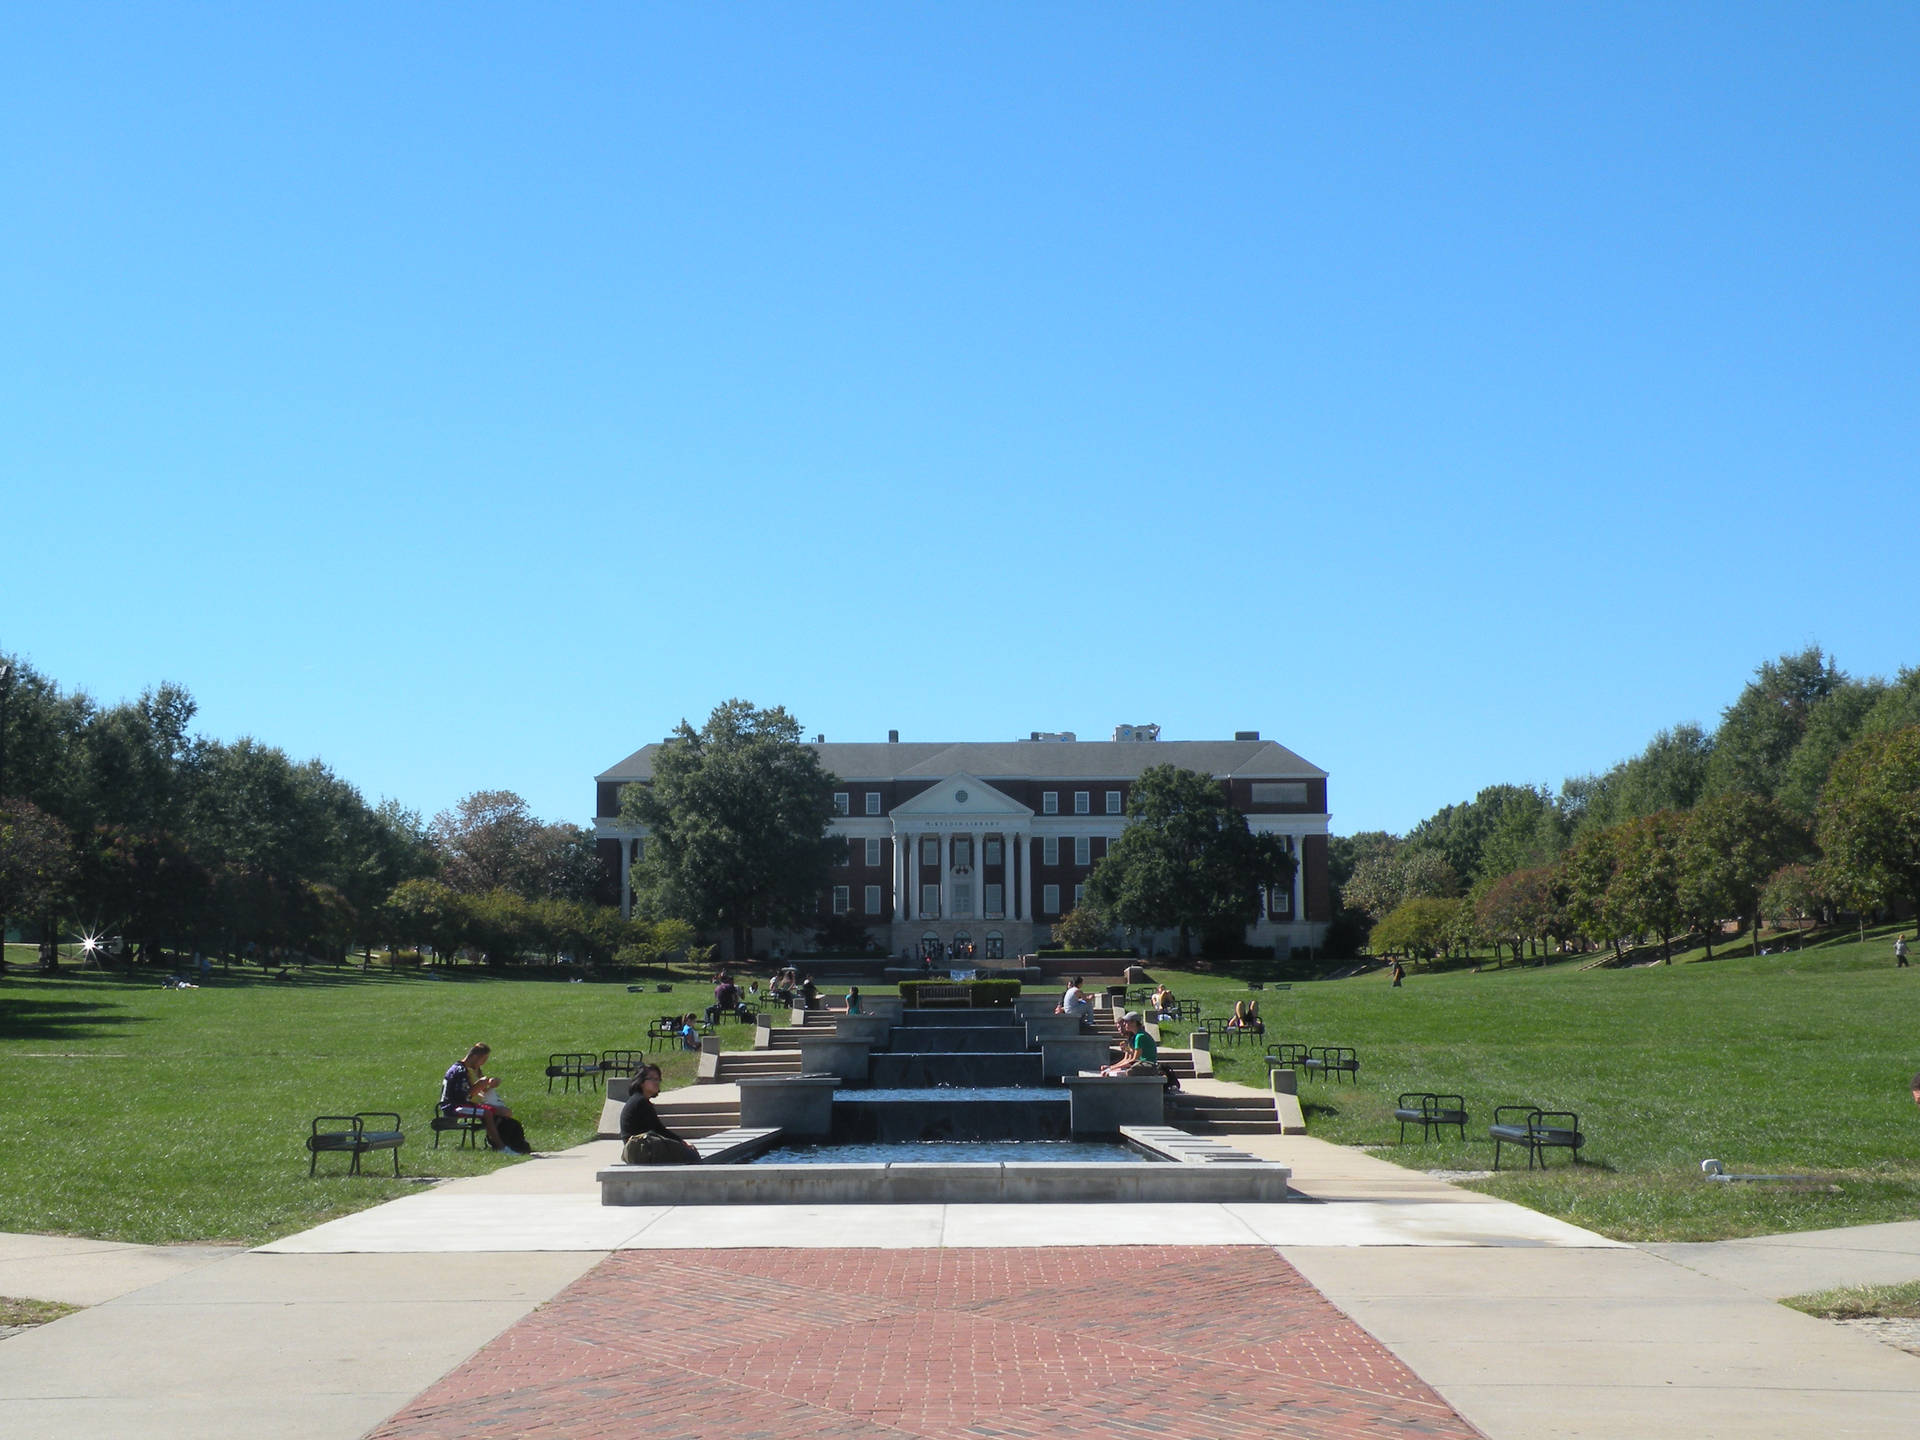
x=1732 y=845
x=1418 y=928
x=1522 y=906
x=1834 y=724
x=1186 y=860
x=1585 y=876
x=36 y=862
x=485 y=843
x=737 y=816
x=1792 y=894
x=1869 y=822
x=1382 y=882
x=1645 y=893
x=1759 y=732
x=1081 y=928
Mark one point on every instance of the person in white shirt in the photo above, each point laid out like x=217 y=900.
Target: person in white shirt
x=1074 y=1003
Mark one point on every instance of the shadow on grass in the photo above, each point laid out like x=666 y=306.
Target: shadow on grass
x=24 y=1018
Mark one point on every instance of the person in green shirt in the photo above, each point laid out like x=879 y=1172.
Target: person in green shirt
x=1140 y=1052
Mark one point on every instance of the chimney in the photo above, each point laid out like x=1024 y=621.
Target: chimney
x=893 y=737
x=819 y=739
x=1246 y=734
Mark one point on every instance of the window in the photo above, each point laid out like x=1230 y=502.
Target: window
x=929 y=852
x=873 y=802
x=1280 y=903
x=929 y=899
x=1079 y=893
x=962 y=850
x=1050 y=850
x=1113 y=802
x=1050 y=899
x=840 y=803
x=996 y=945
x=995 y=904
x=846 y=856
x=990 y=851
x=841 y=901
x=1082 y=850
x=1082 y=802
x=1280 y=792
x=873 y=853
x=873 y=899
x=1049 y=802
x=962 y=897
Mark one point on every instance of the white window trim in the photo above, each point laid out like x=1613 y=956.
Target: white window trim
x=842 y=803
x=993 y=898
x=1083 y=802
x=1079 y=894
x=1113 y=803
x=873 y=802
x=1049 y=849
x=842 y=900
x=875 y=901
x=929 y=900
x=873 y=851
x=1049 y=802
x=1049 y=899
x=1083 y=849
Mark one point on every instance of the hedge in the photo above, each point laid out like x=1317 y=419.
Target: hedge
x=979 y=992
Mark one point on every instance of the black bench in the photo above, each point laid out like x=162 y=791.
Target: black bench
x=571 y=1068
x=666 y=1030
x=1538 y=1132
x=1429 y=1111
x=467 y=1125
x=1325 y=1060
x=351 y=1135
x=1285 y=1055
x=621 y=1062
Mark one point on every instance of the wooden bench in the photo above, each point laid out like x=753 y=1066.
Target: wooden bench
x=571 y=1068
x=1535 y=1132
x=928 y=995
x=1325 y=1060
x=350 y=1135
x=1429 y=1111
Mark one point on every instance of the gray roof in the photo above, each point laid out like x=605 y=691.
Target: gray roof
x=1034 y=759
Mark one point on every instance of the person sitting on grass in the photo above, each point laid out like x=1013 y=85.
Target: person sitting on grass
x=689 y=1032
x=457 y=1102
x=1139 y=1051
x=644 y=1136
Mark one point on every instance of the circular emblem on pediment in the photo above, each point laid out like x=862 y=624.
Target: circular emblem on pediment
x=959 y=797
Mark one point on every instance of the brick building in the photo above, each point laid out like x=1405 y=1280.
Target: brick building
x=990 y=843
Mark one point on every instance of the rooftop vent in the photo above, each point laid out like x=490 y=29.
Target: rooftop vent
x=1136 y=732
x=1053 y=735
x=819 y=739
x=893 y=737
x=1246 y=734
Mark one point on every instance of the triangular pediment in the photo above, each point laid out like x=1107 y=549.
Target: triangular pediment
x=962 y=795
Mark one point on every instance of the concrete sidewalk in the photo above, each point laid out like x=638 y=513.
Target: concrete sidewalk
x=1530 y=1328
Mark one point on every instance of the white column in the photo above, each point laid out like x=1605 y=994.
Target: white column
x=626 y=878
x=899 y=879
x=1026 y=878
x=946 y=875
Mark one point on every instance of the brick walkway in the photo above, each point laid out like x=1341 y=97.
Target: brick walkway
x=954 y=1344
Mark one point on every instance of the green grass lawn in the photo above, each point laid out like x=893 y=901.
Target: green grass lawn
x=132 y=1112
x=1778 y=1064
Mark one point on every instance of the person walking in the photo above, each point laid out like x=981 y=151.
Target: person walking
x=1399 y=973
x=1900 y=951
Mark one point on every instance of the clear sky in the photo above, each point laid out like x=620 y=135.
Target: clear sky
x=465 y=394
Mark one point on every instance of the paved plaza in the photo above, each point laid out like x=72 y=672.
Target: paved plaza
x=1383 y=1302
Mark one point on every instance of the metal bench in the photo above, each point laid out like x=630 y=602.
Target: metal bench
x=571 y=1068
x=1325 y=1060
x=929 y=995
x=1430 y=1111
x=1535 y=1132
x=621 y=1062
x=1284 y=1055
x=350 y=1135
x=466 y=1120
x=665 y=1030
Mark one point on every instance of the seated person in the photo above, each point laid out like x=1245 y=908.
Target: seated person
x=689 y=1033
x=644 y=1136
x=1074 y=1002
x=456 y=1097
x=1139 y=1051
x=486 y=1093
x=1164 y=1005
x=853 y=1000
x=809 y=994
x=1246 y=1016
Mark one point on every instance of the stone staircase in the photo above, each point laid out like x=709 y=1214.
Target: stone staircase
x=731 y=1066
x=1223 y=1114
x=693 y=1117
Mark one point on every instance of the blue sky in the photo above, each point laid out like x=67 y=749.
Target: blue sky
x=465 y=394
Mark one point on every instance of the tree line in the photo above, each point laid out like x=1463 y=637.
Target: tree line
x=1804 y=801
x=120 y=820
